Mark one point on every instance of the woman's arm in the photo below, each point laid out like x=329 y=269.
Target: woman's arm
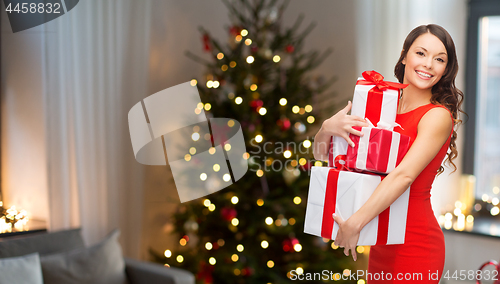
x=433 y=130
x=338 y=125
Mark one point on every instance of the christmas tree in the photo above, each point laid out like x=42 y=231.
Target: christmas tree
x=252 y=231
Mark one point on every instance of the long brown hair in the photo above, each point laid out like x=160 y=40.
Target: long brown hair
x=444 y=92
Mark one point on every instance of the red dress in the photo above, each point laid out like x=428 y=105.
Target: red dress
x=421 y=258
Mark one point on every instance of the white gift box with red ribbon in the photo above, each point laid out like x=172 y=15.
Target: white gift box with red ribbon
x=343 y=193
x=376 y=99
x=378 y=150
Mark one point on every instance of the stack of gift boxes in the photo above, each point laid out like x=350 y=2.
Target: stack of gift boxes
x=353 y=173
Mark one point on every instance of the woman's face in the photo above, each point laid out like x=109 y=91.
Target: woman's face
x=425 y=62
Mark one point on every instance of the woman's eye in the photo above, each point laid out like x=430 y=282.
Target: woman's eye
x=420 y=53
x=441 y=60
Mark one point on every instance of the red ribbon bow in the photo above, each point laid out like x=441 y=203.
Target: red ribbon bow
x=374 y=78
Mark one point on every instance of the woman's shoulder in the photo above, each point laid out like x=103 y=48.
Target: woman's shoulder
x=437 y=116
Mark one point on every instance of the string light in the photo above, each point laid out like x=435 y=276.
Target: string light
x=210 y=84
x=494 y=211
x=295 y=109
x=220 y=55
x=195 y=136
x=495 y=201
x=270 y=264
x=212 y=260
x=209 y=246
x=238 y=100
x=269 y=221
x=360 y=249
x=250 y=59
x=248 y=41
x=291 y=221
x=297 y=200
x=224 y=67
x=168 y=253
x=211 y=207
x=203 y=176
x=182 y=242
x=246 y=156
x=194 y=82
x=187 y=157
x=306 y=143
x=240 y=247
x=180 y=258
x=297 y=247
x=264 y=244
x=244 y=32
x=227 y=147
x=302 y=161
x=230 y=123
x=299 y=270
x=226 y=177
x=192 y=150
x=308 y=108
x=302 y=110
x=234 y=199
x=207 y=202
x=235 y=257
x=283 y=101
x=259 y=173
x=310 y=119
x=260 y=202
x=216 y=167
x=262 y=111
x=485 y=197
x=276 y=58
x=238 y=38
x=253 y=87
x=258 y=138
x=235 y=222
x=232 y=64
x=287 y=154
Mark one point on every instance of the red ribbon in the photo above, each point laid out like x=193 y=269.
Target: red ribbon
x=330 y=201
x=329 y=209
x=375 y=78
x=379 y=147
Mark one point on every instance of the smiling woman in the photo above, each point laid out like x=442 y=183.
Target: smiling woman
x=428 y=112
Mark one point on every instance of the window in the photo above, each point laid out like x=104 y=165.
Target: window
x=482 y=102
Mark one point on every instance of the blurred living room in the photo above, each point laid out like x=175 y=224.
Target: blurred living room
x=78 y=203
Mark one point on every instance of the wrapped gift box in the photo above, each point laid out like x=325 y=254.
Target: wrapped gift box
x=378 y=150
x=376 y=99
x=343 y=193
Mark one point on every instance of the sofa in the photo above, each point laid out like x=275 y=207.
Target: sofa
x=62 y=257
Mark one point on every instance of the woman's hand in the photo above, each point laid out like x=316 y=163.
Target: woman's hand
x=338 y=125
x=341 y=124
x=347 y=236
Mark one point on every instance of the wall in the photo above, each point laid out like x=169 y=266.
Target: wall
x=24 y=171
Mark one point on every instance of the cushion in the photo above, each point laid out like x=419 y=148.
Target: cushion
x=43 y=243
x=21 y=270
x=100 y=264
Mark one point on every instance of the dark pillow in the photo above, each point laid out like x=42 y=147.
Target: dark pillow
x=21 y=270
x=43 y=243
x=100 y=264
